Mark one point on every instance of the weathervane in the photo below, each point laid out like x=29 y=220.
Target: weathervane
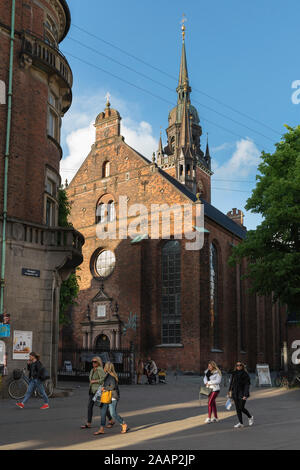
x=184 y=20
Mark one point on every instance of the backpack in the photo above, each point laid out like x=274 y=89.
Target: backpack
x=44 y=374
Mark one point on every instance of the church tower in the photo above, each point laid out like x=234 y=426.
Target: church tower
x=183 y=158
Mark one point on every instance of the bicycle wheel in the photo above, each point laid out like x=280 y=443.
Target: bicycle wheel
x=49 y=387
x=278 y=382
x=17 y=389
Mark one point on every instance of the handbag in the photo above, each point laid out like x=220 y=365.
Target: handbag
x=106 y=397
x=205 y=391
x=228 y=404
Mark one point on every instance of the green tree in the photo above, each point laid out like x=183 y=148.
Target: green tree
x=70 y=288
x=273 y=249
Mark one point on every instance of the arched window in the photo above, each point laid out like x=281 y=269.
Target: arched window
x=106 y=170
x=214 y=313
x=100 y=212
x=171 y=289
x=111 y=211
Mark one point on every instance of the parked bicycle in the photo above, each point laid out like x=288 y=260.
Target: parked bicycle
x=19 y=385
x=287 y=379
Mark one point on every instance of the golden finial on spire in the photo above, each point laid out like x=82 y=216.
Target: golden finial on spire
x=184 y=20
x=107 y=96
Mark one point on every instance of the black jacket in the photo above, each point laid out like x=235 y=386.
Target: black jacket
x=35 y=370
x=240 y=384
x=110 y=383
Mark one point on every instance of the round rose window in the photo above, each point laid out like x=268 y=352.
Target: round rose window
x=105 y=263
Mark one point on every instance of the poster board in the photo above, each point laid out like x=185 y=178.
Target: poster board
x=22 y=344
x=263 y=375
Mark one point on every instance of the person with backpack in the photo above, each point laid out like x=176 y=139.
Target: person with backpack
x=36 y=376
x=239 y=392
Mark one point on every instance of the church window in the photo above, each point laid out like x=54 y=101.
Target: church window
x=111 y=211
x=100 y=212
x=181 y=170
x=105 y=263
x=214 y=288
x=106 y=170
x=2 y=92
x=171 y=293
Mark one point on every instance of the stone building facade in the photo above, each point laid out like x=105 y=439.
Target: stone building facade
x=181 y=306
x=38 y=253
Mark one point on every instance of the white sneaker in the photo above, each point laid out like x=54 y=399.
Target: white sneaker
x=238 y=425
x=251 y=421
x=215 y=420
x=207 y=421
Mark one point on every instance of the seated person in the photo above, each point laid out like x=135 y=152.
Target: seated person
x=151 y=371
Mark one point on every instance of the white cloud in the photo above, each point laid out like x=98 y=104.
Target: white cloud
x=79 y=132
x=243 y=162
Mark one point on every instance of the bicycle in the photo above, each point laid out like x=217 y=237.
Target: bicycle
x=19 y=385
x=287 y=379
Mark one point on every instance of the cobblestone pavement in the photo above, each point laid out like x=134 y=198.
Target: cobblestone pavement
x=160 y=417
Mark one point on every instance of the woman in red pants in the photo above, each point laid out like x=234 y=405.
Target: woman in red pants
x=212 y=380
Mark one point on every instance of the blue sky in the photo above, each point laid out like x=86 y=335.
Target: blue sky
x=243 y=54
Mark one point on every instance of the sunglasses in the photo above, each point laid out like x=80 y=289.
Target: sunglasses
x=95 y=361
x=239 y=365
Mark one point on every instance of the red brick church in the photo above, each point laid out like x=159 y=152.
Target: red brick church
x=183 y=307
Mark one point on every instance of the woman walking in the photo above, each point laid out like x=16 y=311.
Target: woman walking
x=239 y=392
x=35 y=368
x=111 y=383
x=212 y=380
x=96 y=378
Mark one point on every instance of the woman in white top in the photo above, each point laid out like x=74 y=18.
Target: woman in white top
x=212 y=380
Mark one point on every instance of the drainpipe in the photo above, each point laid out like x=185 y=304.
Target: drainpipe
x=6 y=157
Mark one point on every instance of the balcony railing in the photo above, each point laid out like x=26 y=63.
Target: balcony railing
x=49 y=238
x=47 y=57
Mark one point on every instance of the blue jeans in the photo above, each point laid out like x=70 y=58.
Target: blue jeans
x=33 y=384
x=113 y=411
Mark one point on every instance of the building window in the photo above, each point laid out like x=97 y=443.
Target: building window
x=105 y=212
x=100 y=212
x=105 y=263
x=50 y=32
x=214 y=311
x=111 y=211
x=52 y=182
x=51 y=187
x=171 y=293
x=53 y=117
x=50 y=213
x=106 y=170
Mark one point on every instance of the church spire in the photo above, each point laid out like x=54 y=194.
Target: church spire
x=207 y=154
x=183 y=88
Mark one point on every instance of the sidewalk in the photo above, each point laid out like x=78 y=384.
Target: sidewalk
x=160 y=417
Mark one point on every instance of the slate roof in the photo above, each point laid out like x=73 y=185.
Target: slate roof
x=209 y=211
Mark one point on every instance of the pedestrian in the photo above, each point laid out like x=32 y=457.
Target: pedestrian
x=36 y=370
x=140 y=369
x=96 y=379
x=111 y=384
x=151 y=371
x=212 y=380
x=239 y=392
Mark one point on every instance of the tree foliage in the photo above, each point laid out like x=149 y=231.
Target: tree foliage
x=70 y=288
x=273 y=249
